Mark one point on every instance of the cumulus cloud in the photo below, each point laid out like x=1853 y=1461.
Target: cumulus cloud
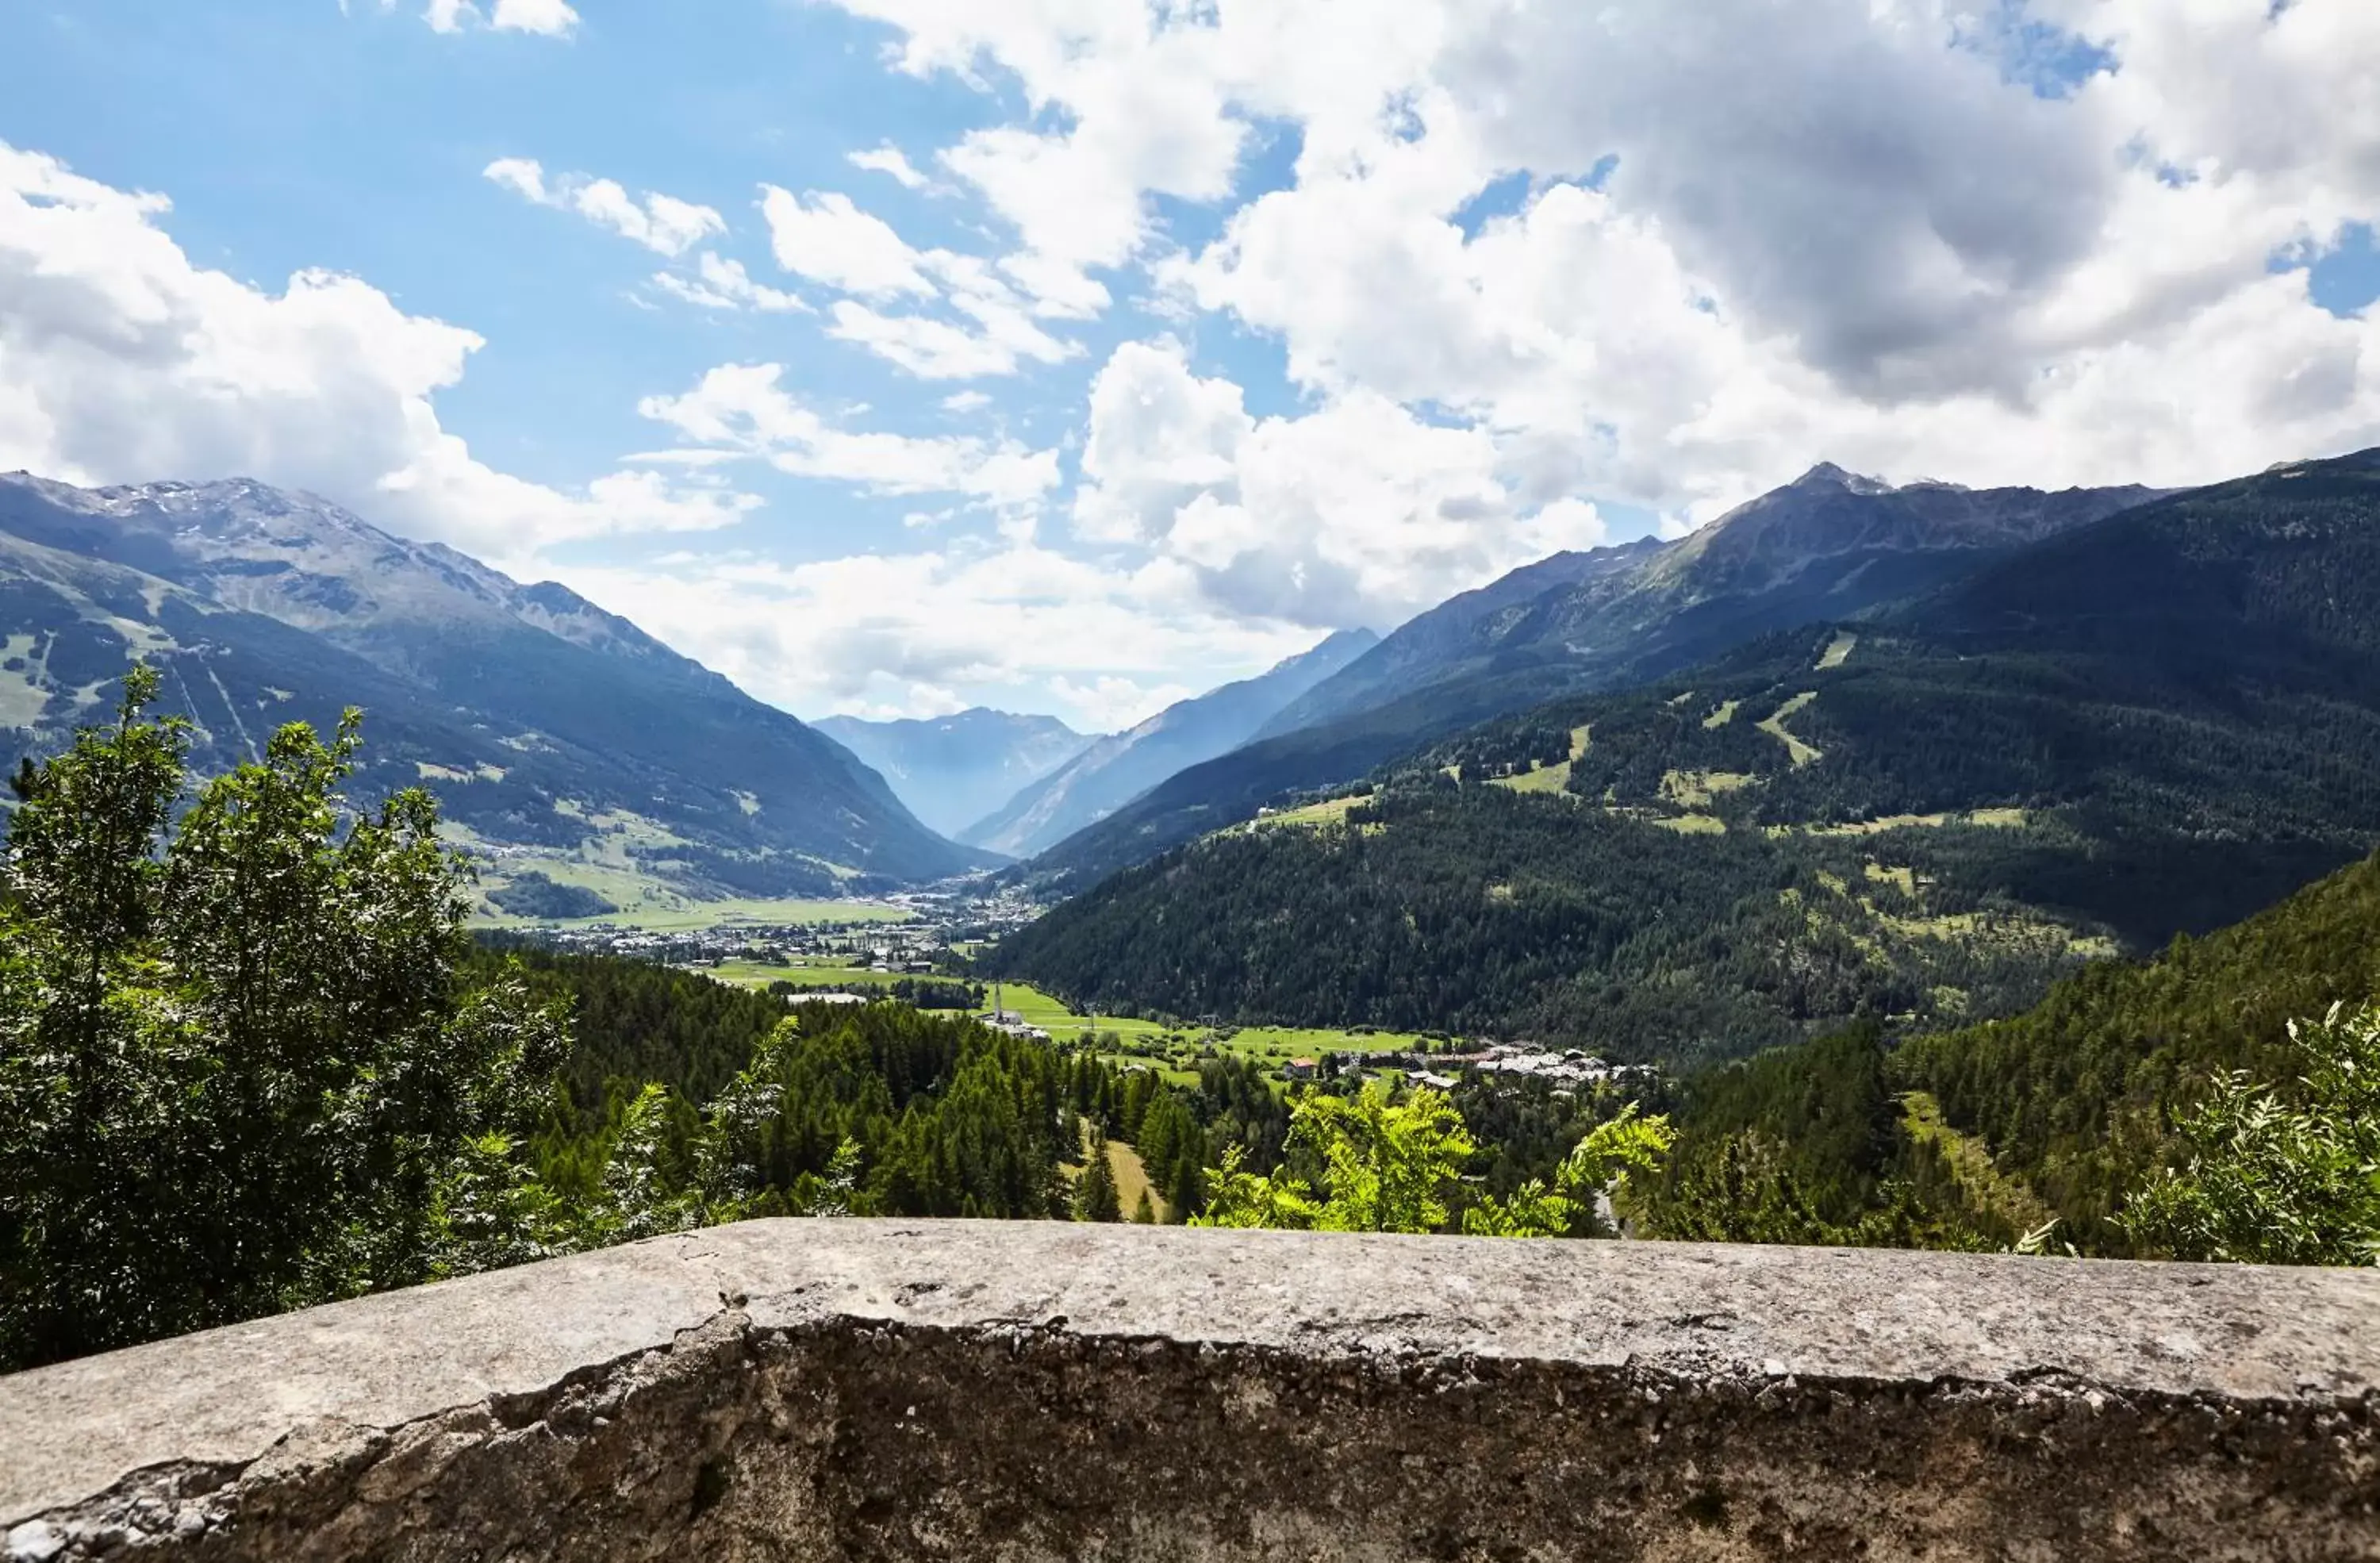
x=743 y=412
x=893 y=163
x=550 y=18
x=662 y=224
x=985 y=327
x=905 y=633
x=722 y=283
x=125 y=362
x=2040 y=246
x=1359 y=512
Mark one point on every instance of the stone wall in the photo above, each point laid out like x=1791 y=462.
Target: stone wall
x=876 y=1389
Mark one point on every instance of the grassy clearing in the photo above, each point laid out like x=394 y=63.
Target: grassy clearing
x=1721 y=717
x=1544 y=779
x=1694 y=824
x=1837 y=651
x=1131 y=1177
x=645 y=905
x=1906 y=878
x=1036 y=1008
x=1277 y=1044
x=1984 y=1186
x=1986 y=819
x=1551 y=778
x=1697 y=789
x=1802 y=754
x=807 y=973
x=1313 y=816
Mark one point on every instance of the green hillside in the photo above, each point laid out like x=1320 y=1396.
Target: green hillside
x=1972 y=1134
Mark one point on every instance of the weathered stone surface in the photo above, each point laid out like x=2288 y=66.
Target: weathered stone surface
x=857 y=1389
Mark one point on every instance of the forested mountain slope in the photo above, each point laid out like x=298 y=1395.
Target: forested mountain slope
x=2152 y=725
x=1830 y=546
x=2068 y=1105
x=540 y=720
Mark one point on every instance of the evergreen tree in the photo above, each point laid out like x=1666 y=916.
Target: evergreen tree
x=1095 y=1193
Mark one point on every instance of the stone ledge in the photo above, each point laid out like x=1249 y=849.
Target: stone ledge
x=815 y=1389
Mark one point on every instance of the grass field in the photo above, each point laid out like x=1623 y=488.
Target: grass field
x=1131 y=1179
x=1721 y=717
x=680 y=914
x=1802 y=754
x=1839 y=650
x=1695 y=789
x=1694 y=824
x=1545 y=779
x=808 y=974
x=1332 y=811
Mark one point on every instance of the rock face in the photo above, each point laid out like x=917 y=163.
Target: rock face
x=850 y=1390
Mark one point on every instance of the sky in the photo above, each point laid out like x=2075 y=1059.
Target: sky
x=1073 y=355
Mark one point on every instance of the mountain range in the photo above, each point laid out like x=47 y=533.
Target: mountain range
x=1114 y=770
x=2145 y=724
x=952 y=771
x=550 y=730
x=1830 y=546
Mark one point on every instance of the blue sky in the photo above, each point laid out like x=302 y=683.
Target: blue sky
x=1186 y=334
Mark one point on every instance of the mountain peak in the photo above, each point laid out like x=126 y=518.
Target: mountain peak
x=1827 y=475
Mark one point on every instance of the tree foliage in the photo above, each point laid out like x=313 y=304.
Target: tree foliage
x=1374 y=1163
x=2276 y=1182
x=238 y=1070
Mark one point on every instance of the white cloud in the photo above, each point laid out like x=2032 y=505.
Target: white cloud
x=722 y=283
x=1027 y=627
x=893 y=163
x=662 y=224
x=550 y=18
x=1849 y=228
x=829 y=241
x=128 y=363
x=826 y=239
x=1358 y=512
x=741 y=412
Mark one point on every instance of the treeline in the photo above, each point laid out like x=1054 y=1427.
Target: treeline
x=2065 y=1111
x=635 y=1020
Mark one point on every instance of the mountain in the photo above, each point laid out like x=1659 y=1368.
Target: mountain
x=544 y=724
x=2148 y=725
x=952 y=771
x=1115 y=769
x=1829 y=546
x=1436 y=645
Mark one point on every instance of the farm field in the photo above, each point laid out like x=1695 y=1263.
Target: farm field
x=808 y=974
x=1175 y=1052
x=642 y=906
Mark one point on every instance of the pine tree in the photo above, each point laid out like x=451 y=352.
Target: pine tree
x=1095 y=1195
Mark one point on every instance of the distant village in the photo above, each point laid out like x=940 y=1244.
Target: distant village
x=942 y=929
